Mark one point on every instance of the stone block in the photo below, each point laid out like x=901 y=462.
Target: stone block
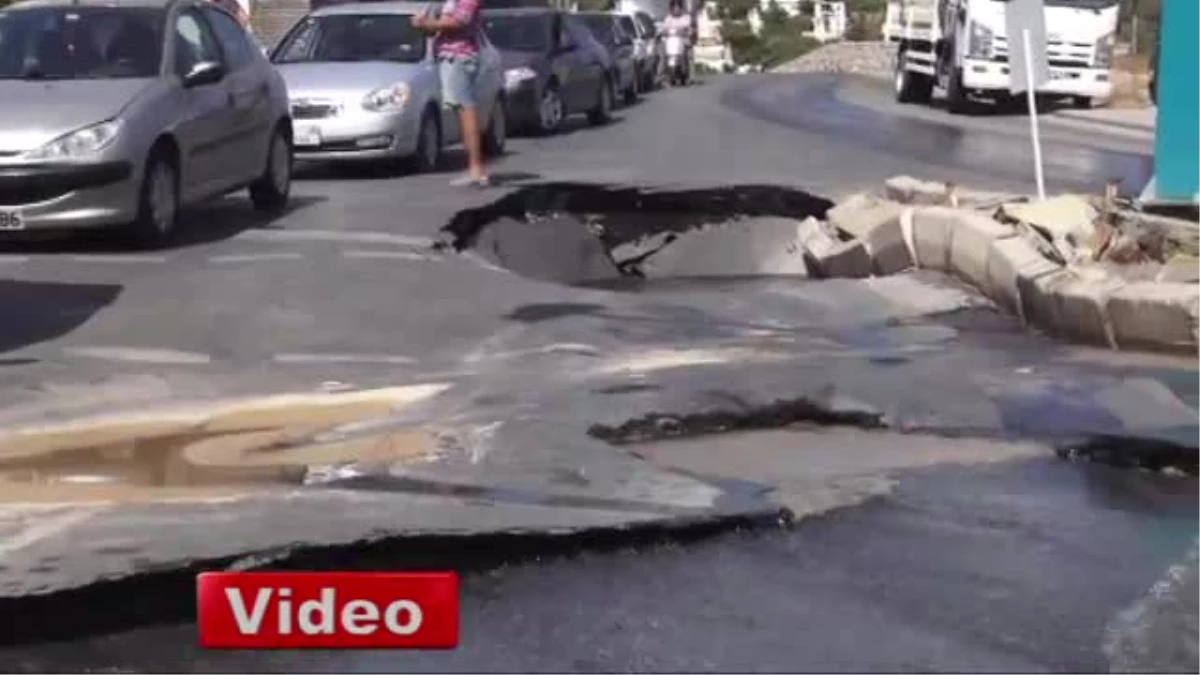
x=931 y=227
x=1155 y=315
x=846 y=260
x=971 y=237
x=1180 y=268
x=1010 y=261
x=1067 y=305
x=876 y=223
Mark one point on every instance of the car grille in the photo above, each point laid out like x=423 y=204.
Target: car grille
x=21 y=195
x=314 y=111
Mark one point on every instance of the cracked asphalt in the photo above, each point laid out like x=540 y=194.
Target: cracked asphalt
x=984 y=554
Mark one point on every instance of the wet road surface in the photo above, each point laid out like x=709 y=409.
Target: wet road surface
x=1019 y=566
x=1014 y=566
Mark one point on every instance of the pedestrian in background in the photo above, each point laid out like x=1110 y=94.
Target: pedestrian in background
x=457 y=43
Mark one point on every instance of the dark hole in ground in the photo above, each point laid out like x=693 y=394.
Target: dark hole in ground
x=599 y=235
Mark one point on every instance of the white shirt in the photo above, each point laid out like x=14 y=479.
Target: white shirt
x=681 y=22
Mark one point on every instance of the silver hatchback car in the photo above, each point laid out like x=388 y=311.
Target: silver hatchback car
x=120 y=112
x=364 y=86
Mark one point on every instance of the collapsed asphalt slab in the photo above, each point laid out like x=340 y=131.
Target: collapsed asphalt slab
x=529 y=432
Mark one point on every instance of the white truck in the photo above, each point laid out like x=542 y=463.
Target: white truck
x=961 y=47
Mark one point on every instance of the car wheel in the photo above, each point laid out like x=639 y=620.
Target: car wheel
x=496 y=137
x=158 y=200
x=270 y=192
x=634 y=90
x=1082 y=102
x=551 y=110
x=601 y=113
x=428 y=156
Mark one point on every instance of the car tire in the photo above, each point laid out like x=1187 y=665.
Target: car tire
x=601 y=113
x=495 y=139
x=271 y=191
x=551 y=112
x=634 y=91
x=428 y=155
x=158 y=200
x=1082 y=102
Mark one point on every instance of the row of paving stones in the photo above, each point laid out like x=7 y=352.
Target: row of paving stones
x=1096 y=275
x=1056 y=263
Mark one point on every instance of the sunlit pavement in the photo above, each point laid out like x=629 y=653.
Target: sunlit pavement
x=344 y=292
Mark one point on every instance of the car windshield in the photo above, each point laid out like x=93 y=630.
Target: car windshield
x=628 y=26
x=645 y=26
x=80 y=43
x=353 y=37
x=519 y=33
x=602 y=26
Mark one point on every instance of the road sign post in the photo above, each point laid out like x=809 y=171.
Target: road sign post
x=1025 y=22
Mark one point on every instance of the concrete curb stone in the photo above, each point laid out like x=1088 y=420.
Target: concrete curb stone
x=1155 y=314
x=876 y=223
x=931 y=227
x=1067 y=305
x=1014 y=263
x=971 y=237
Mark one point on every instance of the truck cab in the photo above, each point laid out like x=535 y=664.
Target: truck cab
x=962 y=46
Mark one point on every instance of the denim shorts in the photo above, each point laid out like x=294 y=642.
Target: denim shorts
x=460 y=80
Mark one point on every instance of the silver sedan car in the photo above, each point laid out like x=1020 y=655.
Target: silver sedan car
x=120 y=113
x=364 y=86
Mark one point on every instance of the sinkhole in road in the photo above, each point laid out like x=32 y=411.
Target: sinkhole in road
x=583 y=234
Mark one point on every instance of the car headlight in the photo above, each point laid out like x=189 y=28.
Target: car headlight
x=979 y=46
x=1104 y=50
x=80 y=143
x=387 y=99
x=516 y=76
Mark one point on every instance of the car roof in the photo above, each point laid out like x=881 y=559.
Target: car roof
x=32 y=4
x=388 y=7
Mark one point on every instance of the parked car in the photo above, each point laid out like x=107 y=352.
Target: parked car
x=649 y=51
x=607 y=30
x=119 y=114
x=551 y=70
x=364 y=85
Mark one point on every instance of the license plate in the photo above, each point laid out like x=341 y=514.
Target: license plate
x=11 y=220
x=1059 y=75
x=307 y=137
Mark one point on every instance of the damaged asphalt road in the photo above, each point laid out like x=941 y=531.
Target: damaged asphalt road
x=556 y=391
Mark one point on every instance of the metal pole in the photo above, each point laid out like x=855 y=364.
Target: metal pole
x=1031 y=96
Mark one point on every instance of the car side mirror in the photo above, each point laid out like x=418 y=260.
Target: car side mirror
x=203 y=74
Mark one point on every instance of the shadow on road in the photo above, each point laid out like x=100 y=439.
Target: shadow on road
x=205 y=224
x=37 y=311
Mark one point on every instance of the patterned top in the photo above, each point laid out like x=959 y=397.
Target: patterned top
x=463 y=42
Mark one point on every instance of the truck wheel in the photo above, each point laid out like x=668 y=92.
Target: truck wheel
x=956 y=98
x=911 y=87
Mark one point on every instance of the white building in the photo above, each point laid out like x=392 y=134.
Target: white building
x=711 y=49
x=829 y=21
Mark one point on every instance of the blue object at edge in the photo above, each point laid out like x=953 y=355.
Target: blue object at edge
x=1177 y=146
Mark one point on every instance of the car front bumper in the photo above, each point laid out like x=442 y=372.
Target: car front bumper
x=42 y=196
x=364 y=136
x=992 y=76
x=522 y=104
